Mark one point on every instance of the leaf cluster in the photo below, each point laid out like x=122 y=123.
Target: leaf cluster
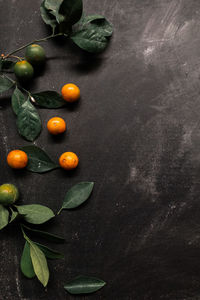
x=23 y=105
x=90 y=33
x=34 y=256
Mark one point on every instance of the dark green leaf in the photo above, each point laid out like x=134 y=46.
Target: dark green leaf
x=53 y=7
x=7 y=64
x=87 y=19
x=26 y=262
x=71 y=10
x=18 y=100
x=49 y=99
x=47 y=17
x=49 y=236
x=90 y=40
x=98 y=23
x=49 y=253
x=39 y=262
x=5 y=84
x=84 y=285
x=35 y=213
x=52 y=4
x=28 y=121
x=78 y=194
x=102 y=26
x=4 y=217
x=38 y=160
x=13 y=216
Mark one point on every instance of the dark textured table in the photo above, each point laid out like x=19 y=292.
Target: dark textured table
x=137 y=133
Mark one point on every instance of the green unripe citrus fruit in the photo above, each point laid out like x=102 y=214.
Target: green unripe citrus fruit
x=8 y=194
x=23 y=70
x=35 y=54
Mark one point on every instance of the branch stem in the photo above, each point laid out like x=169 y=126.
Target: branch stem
x=33 y=42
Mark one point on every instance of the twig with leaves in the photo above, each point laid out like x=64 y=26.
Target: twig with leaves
x=65 y=17
x=34 y=256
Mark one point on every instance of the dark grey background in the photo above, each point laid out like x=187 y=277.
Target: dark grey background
x=137 y=133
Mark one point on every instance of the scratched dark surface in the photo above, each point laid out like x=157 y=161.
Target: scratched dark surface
x=137 y=133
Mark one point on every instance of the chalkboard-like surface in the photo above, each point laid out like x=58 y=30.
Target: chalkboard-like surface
x=137 y=133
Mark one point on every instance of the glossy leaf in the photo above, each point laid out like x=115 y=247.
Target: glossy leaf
x=28 y=122
x=38 y=160
x=49 y=253
x=48 y=236
x=13 y=216
x=102 y=26
x=71 y=10
x=78 y=194
x=18 y=100
x=87 y=19
x=84 y=285
x=47 y=17
x=49 y=99
x=26 y=262
x=4 y=217
x=98 y=23
x=35 y=213
x=5 y=84
x=90 y=40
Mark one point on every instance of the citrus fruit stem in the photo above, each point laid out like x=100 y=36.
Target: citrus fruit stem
x=33 y=42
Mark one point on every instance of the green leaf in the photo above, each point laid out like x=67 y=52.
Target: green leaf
x=35 y=213
x=26 y=262
x=78 y=194
x=87 y=19
x=18 y=100
x=4 y=217
x=52 y=4
x=49 y=99
x=7 y=64
x=39 y=262
x=90 y=40
x=49 y=253
x=47 y=17
x=5 y=84
x=38 y=160
x=14 y=215
x=28 y=121
x=98 y=23
x=102 y=26
x=84 y=285
x=49 y=236
x=71 y=10
x=53 y=7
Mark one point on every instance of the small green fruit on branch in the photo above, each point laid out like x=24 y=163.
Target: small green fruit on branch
x=66 y=18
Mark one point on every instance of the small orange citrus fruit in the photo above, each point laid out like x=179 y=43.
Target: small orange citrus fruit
x=68 y=160
x=17 y=159
x=70 y=92
x=56 y=125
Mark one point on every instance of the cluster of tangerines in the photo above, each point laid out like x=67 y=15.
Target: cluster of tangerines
x=35 y=56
